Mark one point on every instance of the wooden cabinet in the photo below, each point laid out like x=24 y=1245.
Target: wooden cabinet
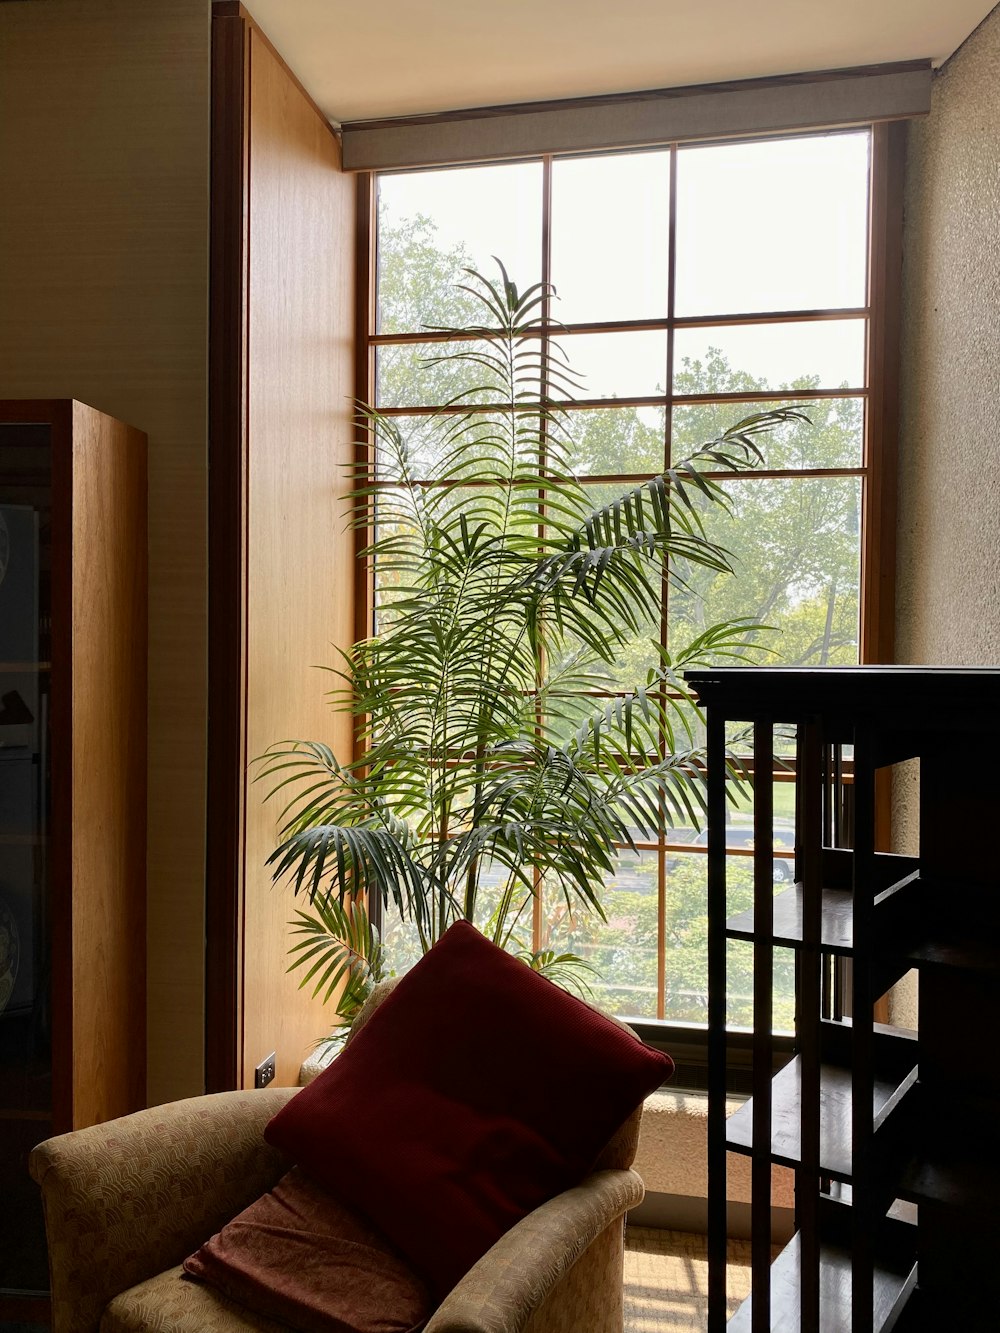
x=890 y=1131
x=72 y=791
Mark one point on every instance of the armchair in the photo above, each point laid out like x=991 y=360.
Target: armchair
x=125 y=1202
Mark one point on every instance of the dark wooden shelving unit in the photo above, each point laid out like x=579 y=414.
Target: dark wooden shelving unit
x=891 y=1133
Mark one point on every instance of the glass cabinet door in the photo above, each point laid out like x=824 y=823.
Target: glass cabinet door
x=25 y=971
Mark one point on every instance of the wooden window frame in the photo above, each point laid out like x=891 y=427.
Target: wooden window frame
x=876 y=472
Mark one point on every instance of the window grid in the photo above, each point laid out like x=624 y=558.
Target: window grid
x=870 y=485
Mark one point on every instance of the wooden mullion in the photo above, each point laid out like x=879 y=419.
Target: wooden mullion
x=637 y=478
x=661 y=915
x=537 y=912
x=656 y=325
x=634 y=400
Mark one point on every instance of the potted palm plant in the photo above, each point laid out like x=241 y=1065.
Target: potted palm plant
x=498 y=751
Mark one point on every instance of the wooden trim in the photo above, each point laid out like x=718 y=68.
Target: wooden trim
x=881 y=444
x=228 y=377
x=364 y=351
x=61 y=792
x=232 y=9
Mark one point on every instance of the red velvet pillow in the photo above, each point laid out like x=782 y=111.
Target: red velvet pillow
x=476 y=1091
x=299 y=1256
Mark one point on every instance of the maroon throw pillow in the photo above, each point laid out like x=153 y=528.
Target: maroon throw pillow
x=301 y=1257
x=476 y=1091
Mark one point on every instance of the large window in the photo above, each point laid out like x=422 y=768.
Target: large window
x=692 y=285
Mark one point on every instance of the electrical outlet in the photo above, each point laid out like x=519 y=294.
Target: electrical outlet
x=264 y=1073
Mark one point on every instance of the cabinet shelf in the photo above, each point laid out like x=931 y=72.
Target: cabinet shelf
x=895 y=1276
x=836 y=915
x=836 y=1103
x=836 y=929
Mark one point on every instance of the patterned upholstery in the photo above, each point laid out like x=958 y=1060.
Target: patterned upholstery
x=127 y=1200
x=170 y=1303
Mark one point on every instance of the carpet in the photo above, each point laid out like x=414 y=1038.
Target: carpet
x=666 y=1280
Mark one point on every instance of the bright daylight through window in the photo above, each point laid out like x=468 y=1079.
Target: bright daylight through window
x=694 y=284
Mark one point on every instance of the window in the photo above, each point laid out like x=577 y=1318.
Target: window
x=694 y=284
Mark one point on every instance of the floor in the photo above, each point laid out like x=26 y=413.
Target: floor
x=666 y=1280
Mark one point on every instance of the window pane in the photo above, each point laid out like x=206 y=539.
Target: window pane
x=622 y=949
x=613 y=210
x=456 y=447
x=827 y=354
x=432 y=224
x=795 y=546
x=617 y=365
x=605 y=441
x=636 y=653
x=414 y=374
x=776 y=225
x=833 y=437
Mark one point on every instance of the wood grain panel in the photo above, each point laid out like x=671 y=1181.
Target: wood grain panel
x=300 y=574
x=109 y=767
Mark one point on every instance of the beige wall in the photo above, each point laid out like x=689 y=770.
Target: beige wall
x=104 y=140
x=948 y=598
x=948 y=570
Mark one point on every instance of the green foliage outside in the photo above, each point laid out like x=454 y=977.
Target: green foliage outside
x=796 y=552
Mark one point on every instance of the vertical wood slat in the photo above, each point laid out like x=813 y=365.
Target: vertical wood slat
x=862 y=1045
x=809 y=834
x=226 y=549
x=717 y=1219
x=763 y=982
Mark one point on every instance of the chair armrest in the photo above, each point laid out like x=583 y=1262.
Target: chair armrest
x=127 y=1199
x=500 y=1293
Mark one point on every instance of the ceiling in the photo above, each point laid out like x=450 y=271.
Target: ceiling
x=404 y=57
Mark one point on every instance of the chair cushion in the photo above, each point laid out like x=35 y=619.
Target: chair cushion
x=476 y=1091
x=169 y=1303
x=298 y=1255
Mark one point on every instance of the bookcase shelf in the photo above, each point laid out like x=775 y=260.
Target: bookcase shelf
x=891 y=1134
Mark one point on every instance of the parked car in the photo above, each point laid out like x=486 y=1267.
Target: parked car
x=741 y=835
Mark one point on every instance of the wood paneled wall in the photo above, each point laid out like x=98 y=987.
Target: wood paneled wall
x=282 y=556
x=104 y=148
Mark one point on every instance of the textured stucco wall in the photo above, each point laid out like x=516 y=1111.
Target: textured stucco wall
x=948 y=593
x=948 y=571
